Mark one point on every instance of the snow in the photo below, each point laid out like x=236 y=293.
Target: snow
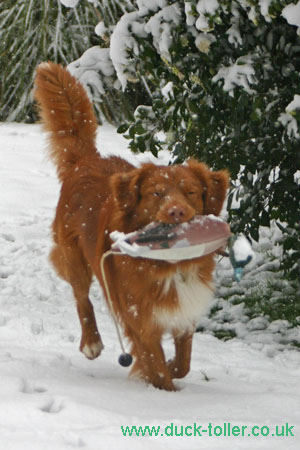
x=242 y=249
x=131 y=25
x=94 y=68
x=234 y=35
x=122 y=41
x=295 y=104
x=240 y=73
x=160 y=27
x=69 y=3
x=205 y=7
x=292 y=14
x=190 y=18
x=53 y=398
x=288 y=121
x=167 y=90
x=264 y=8
x=100 y=29
x=145 y=6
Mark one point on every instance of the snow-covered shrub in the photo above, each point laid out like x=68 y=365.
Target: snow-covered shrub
x=264 y=307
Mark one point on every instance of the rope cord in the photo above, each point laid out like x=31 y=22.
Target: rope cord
x=110 y=304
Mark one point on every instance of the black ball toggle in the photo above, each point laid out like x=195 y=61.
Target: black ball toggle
x=125 y=359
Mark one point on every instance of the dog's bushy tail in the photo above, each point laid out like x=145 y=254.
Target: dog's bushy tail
x=67 y=114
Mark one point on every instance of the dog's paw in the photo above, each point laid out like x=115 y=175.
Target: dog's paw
x=93 y=350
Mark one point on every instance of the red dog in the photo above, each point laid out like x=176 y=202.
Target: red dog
x=100 y=195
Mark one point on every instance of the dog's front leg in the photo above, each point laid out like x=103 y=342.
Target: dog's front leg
x=180 y=366
x=91 y=344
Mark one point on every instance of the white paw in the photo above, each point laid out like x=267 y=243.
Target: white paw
x=92 y=351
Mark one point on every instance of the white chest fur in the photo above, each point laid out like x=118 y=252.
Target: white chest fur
x=194 y=298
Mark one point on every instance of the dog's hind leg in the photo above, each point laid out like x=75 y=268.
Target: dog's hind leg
x=73 y=267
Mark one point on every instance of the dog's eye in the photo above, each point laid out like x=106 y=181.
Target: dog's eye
x=192 y=193
x=157 y=194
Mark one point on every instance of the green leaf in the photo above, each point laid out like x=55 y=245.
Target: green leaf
x=139 y=129
x=123 y=128
x=131 y=131
x=265 y=219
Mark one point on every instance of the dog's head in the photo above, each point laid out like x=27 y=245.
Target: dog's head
x=172 y=194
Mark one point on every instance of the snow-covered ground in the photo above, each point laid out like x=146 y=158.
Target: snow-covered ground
x=51 y=397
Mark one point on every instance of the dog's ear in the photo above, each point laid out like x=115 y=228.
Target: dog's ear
x=125 y=189
x=216 y=192
x=215 y=185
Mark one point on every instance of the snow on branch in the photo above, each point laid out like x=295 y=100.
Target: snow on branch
x=288 y=120
x=241 y=73
x=124 y=45
x=290 y=123
x=295 y=104
x=94 y=69
x=160 y=27
x=292 y=14
x=69 y=3
x=74 y=3
x=205 y=8
x=123 y=42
